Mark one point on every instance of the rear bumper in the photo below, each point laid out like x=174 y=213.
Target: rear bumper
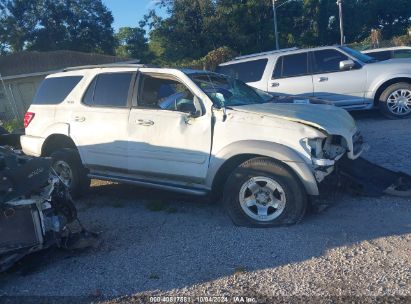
x=32 y=145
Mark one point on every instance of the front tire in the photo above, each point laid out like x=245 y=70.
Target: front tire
x=263 y=192
x=395 y=101
x=67 y=164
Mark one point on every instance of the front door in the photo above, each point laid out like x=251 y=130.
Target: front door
x=343 y=88
x=166 y=138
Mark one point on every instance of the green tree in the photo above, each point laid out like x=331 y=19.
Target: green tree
x=194 y=27
x=132 y=43
x=320 y=23
x=43 y=25
x=186 y=33
x=392 y=18
x=17 y=21
x=252 y=21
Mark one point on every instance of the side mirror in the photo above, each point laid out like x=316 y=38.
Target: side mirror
x=346 y=65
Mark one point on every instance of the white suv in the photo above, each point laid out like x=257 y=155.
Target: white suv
x=389 y=53
x=190 y=131
x=343 y=76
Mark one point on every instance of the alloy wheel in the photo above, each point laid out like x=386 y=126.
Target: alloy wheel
x=262 y=198
x=399 y=102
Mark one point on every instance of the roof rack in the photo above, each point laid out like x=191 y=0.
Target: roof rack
x=266 y=53
x=126 y=64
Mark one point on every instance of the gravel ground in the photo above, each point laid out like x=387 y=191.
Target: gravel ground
x=157 y=243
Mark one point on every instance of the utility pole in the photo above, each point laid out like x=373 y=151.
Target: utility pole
x=339 y=3
x=277 y=46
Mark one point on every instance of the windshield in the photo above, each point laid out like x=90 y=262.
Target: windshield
x=358 y=55
x=227 y=91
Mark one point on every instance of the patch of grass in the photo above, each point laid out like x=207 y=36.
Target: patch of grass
x=156 y=205
x=154 y=276
x=240 y=269
x=12 y=125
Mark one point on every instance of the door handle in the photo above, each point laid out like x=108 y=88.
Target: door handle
x=145 y=123
x=79 y=118
x=275 y=84
x=322 y=79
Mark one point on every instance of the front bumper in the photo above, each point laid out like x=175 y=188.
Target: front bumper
x=358 y=146
x=324 y=167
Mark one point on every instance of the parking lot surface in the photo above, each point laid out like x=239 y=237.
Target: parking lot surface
x=159 y=243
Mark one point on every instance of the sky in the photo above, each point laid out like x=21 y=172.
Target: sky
x=128 y=12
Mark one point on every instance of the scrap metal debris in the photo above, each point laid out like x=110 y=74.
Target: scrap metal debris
x=10 y=139
x=362 y=177
x=36 y=210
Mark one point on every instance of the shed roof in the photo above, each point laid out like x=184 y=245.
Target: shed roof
x=26 y=63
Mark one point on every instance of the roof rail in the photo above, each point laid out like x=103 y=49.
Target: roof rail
x=265 y=53
x=126 y=64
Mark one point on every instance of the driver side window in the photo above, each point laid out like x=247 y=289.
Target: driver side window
x=327 y=61
x=166 y=94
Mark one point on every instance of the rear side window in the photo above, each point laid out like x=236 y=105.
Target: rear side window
x=250 y=71
x=109 y=90
x=291 y=66
x=54 y=90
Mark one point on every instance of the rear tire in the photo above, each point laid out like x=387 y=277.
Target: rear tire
x=395 y=101
x=263 y=192
x=67 y=164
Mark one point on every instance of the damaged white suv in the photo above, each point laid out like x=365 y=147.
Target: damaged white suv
x=189 y=131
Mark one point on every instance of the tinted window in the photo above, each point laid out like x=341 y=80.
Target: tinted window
x=55 y=90
x=328 y=61
x=278 y=70
x=166 y=94
x=402 y=54
x=109 y=90
x=250 y=71
x=291 y=66
x=381 y=56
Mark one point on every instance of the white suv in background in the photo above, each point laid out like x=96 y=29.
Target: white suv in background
x=190 y=131
x=389 y=53
x=338 y=74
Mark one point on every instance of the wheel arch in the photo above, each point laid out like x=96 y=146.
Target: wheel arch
x=386 y=84
x=235 y=154
x=55 y=142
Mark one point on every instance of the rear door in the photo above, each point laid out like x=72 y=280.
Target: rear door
x=343 y=88
x=291 y=76
x=99 y=124
x=251 y=72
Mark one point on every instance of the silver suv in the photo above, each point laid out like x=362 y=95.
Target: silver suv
x=343 y=76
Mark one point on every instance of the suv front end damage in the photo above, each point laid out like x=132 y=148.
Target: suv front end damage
x=326 y=151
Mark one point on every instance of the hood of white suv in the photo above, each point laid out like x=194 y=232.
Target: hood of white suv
x=327 y=118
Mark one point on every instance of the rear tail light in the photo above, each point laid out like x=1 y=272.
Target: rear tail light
x=28 y=118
